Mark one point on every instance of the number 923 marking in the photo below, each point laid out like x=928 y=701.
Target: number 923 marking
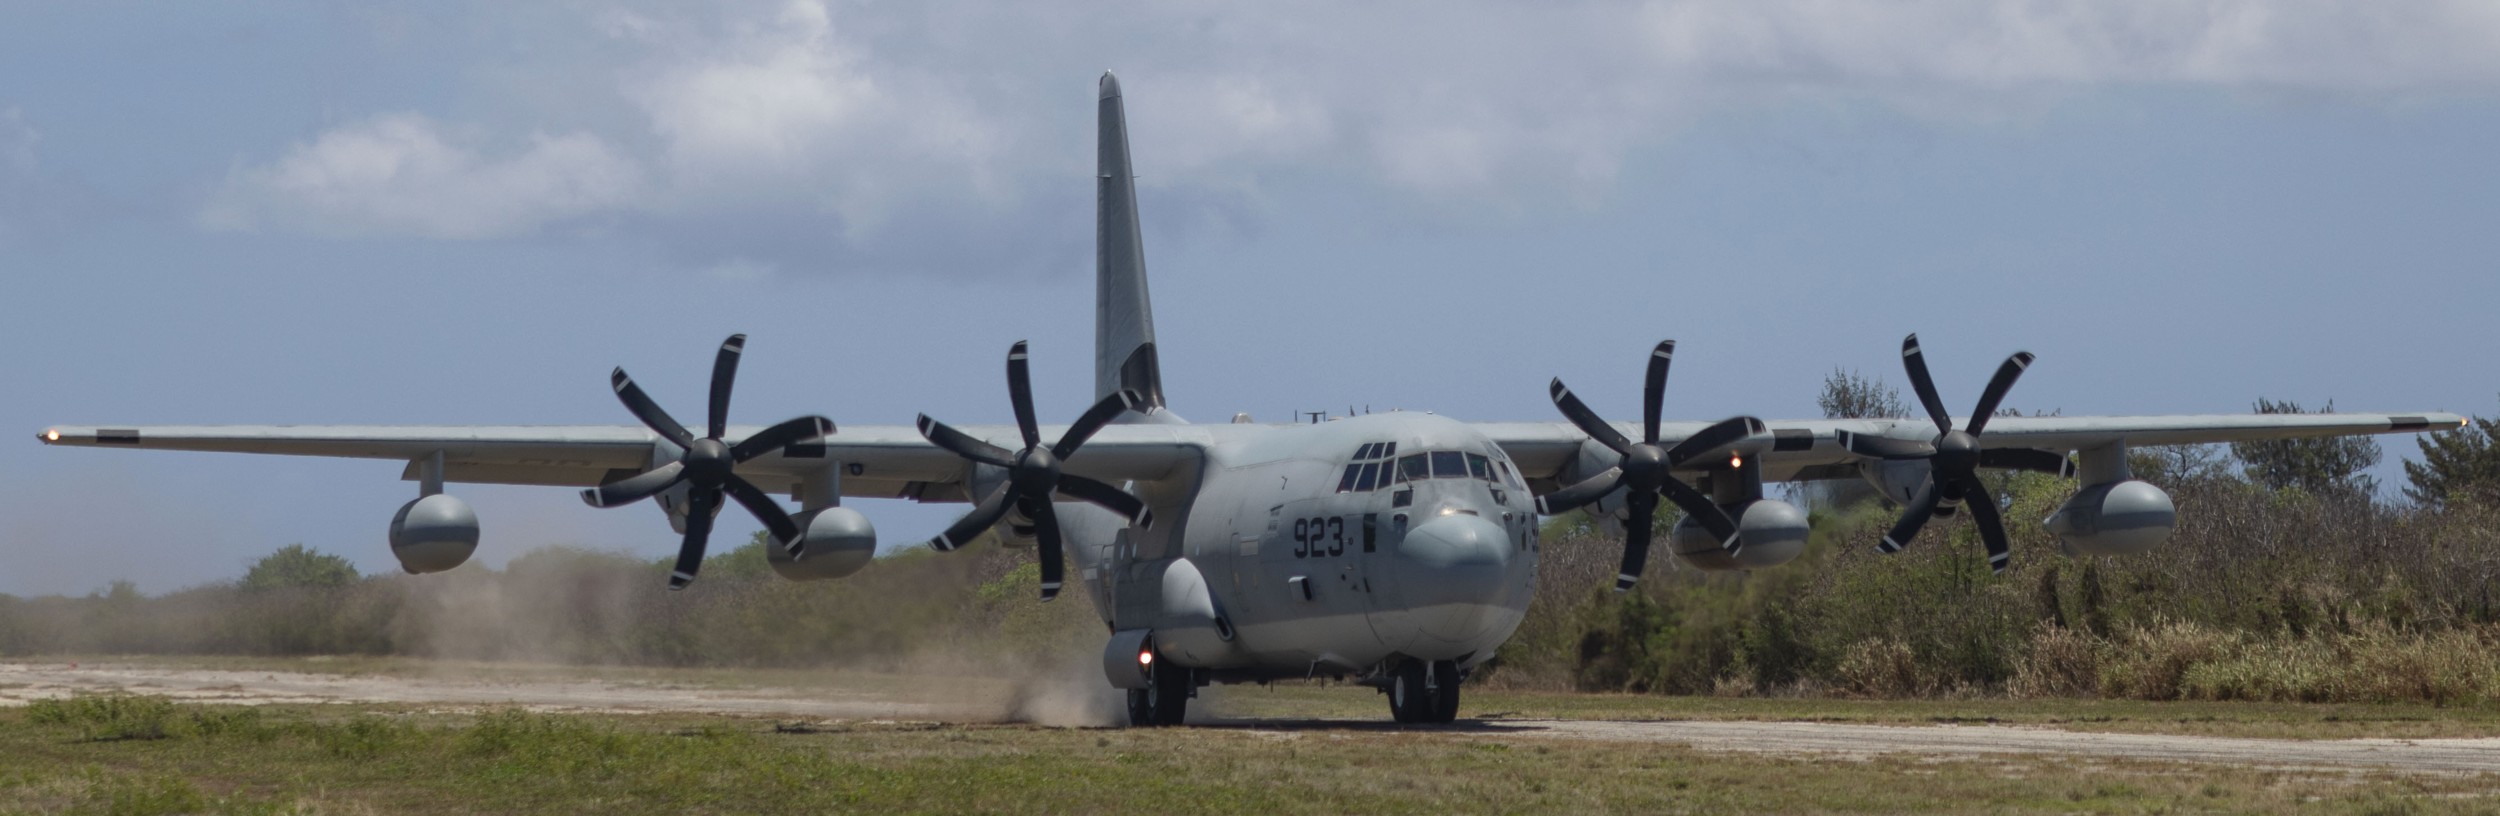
x=1315 y=537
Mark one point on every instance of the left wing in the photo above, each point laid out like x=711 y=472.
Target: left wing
x=1805 y=449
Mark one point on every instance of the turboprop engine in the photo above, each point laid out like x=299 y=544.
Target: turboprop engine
x=1774 y=533
x=838 y=541
x=2114 y=518
x=433 y=533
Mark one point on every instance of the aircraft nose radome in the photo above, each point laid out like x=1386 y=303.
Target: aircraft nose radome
x=1451 y=575
x=1110 y=86
x=1457 y=542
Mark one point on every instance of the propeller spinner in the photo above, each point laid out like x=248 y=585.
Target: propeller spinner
x=1645 y=470
x=709 y=466
x=1034 y=476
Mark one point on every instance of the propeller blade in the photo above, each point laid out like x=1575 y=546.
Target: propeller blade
x=636 y=487
x=1983 y=511
x=776 y=520
x=1587 y=420
x=2037 y=461
x=700 y=506
x=1913 y=517
x=1654 y=390
x=1588 y=490
x=1882 y=447
x=647 y=411
x=1020 y=393
x=2006 y=374
x=1709 y=440
x=724 y=373
x=1644 y=509
x=1705 y=513
x=1916 y=363
x=962 y=444
x=1094 y=418
x=983 y=516
x=1046 y=538
x=1107 y=497
x=789 y=432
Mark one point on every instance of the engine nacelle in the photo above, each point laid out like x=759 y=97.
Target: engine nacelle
x=838 y=541
x=433 y=534
x=2116 y=518
x=1774 y=532
x=1896 y=480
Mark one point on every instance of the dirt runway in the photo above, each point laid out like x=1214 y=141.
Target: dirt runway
x=20 y=682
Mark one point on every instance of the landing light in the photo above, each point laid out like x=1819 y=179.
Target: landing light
x=52 y=435
x=1735 y=460
x=1145 y=658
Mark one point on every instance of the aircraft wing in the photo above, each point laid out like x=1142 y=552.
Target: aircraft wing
x=881 y=461
x=1807 y=449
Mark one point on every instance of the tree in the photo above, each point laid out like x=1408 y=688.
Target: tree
x=1850 y=395
x=298 y=566
x=2457 y=466
x=2321 y=465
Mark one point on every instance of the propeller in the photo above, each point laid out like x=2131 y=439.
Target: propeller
x=1644 y=469
x=708 y=467
x=1953 y=457
x=1033 y=473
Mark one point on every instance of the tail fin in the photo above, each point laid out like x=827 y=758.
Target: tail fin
x=1124 y=325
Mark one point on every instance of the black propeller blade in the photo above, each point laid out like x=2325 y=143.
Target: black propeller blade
x=1644 y=471
x=1954 y=457
x=1033 y=473
x=708 y=468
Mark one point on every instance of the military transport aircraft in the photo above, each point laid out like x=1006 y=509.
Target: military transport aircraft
x=1394 y=549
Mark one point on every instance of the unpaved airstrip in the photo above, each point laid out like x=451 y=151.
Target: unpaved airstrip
x=23 y=681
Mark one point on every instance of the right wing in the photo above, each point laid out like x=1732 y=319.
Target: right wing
x=875 y=461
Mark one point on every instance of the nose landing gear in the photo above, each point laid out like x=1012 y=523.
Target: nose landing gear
x=1421 y=692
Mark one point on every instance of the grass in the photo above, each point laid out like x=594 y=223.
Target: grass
x=340 y=758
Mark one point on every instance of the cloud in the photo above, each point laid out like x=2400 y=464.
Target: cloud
x=2307 y=44
x=798 y=135
x=400 y=174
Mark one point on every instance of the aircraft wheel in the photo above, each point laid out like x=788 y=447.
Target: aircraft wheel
x=1408 y=701
x=1141 y=708
x=1445 y=691
x=1166 y=695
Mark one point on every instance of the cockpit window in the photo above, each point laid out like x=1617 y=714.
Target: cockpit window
x=1388 y=449
x=1508 y=477
x=1347 y=483
x=1448 y=465
x=1365 y=480
x=1480 y=467
x=1414 y=468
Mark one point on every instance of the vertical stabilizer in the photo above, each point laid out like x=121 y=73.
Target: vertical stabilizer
x=1124 y=325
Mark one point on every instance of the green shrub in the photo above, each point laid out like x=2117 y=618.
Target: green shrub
x=107 y=716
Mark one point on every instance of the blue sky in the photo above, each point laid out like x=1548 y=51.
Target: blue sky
x=307 y=213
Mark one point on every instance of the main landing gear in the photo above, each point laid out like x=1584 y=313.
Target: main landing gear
x=1165 y=699
x=1421 y=692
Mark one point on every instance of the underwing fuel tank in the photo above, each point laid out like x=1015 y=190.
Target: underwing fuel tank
x=2116 y=518
x=1773 y=532
x=838 y=541
x=433 y=534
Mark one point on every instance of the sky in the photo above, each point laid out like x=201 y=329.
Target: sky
x=467 y=213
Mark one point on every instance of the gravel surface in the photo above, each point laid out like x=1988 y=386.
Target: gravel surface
x=20 y=682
